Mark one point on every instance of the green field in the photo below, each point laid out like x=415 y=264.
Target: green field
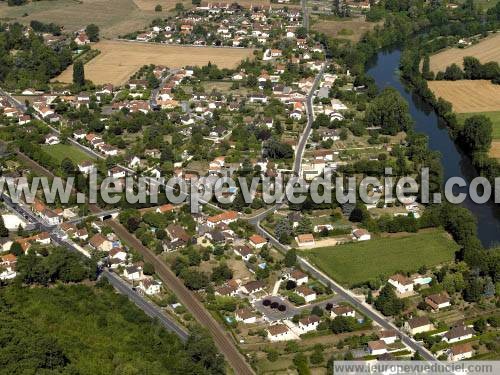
x=493 y=116
x=61 y=151
x=355 y=263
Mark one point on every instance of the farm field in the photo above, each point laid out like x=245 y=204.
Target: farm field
x=114 y=17
x=354 y=263
x=468 y=96
x=351 y=29
x=62 y=151
x=167 y=5
x=486 y=50
x=118 y=60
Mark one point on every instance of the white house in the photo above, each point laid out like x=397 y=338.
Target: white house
x=460 y=351
x=309 y=323
x=402 y=283
x=377 y=347
x=257 y=241
x=86 y=166
x=133 y=273
x=389 y=336
x=299 y=277
x=345 y=311
x=52 y=139
x=418 y=325
x=279 y=332
x=150 y=286
x=361 y=235
x=245 y=252
x=458 y=333
x=307 y=293
x=246 y=316
x=438 y=301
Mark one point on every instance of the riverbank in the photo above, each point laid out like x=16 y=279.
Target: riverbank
x=385 y=71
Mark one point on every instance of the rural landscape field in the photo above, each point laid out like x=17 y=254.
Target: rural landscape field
x=119 y=60
x=468 y=96
x=114 y=17
x=486 y=50
x=351 y=28
x=355 y=263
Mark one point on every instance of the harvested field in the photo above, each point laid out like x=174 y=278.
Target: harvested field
x=114 y=17
x=351 y=29
x=150 y=5
x=486 y=50
x=468 y=96
x=120 y=59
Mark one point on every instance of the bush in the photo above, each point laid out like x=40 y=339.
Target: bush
x=274 y=305
x=266 y=302
x=282 y=308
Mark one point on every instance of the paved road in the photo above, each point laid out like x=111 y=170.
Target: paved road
x=305 y=14
x=221 y=338
x=299 y=151
x=152 y=310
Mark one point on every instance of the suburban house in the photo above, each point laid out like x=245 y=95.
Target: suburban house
x=226 y=291
x=245 y=252
x=361 y=235
x=377 y=347
x=246 y=316
x=149 y=286
x=177 y=233
x=165 y=208
x=86 y=166
x=307 y=293
x=458 y=333
x=460 y=351
x=133 y=273
x=100 y=243
x=418 y=325
x=388 y=336
x=305 y=240
x=118 y=253
x=402 y=283
x=257 y=241
x=279 y=332
x=438 y=301
x=346 y=311
x=227 y=218
x=309 y=323
x=299 y=277
x=253 y=287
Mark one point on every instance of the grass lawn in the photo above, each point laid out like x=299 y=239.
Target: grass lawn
x=493 y=116
x=62 y=151
x=355 y=263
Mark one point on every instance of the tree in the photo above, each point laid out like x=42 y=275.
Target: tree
x=305 y=226
x=472 y=68
x=149 y=269
x=343 y=324
x=426 y=71
x=477 y=133
x=67 y=166
x=480 y=325
x=221 y=273
x=4 y=232
x=317 y=356
x=179 y=7
x=92 y=32
x=301 y=363
x=78 y=73
x=290 y=258
x=387 y=302
x=473 y=289
x=283 y=230
x=389 y=111
x=158 y=8
x=16 y=249
x=453 y=73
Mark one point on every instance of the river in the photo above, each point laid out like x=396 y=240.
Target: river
x=384 y=71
